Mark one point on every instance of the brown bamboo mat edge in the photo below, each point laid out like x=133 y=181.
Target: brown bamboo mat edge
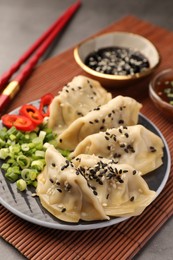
x=120 y=241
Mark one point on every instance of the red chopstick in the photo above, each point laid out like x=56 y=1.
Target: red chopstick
x=48 y=37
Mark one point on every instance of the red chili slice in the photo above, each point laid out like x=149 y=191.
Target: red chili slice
x=45 y=102
x=32 y=113
x=21 y=123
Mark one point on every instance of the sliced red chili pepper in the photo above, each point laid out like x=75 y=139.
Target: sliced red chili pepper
x=22 y=123
x=32 y=113
x=45 y=102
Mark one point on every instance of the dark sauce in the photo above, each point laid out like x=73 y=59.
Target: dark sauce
x=117 y=61
x=164 y=89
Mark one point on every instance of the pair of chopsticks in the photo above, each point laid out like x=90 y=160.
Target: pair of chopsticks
x=40 y=46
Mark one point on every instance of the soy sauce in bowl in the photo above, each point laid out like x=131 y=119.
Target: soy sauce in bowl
x=117 y=61
x=161 y=92
x=164 y=89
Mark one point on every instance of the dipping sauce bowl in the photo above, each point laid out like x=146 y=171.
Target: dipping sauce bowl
x=117 y=59
x=161 y=92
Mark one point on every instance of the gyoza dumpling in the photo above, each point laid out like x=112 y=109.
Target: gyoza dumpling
x=134 y=145
x=76 y=99
x=119 y=187
x=118 y=111
x=65 y=193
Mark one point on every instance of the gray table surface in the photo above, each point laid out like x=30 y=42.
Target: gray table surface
x=22 y=21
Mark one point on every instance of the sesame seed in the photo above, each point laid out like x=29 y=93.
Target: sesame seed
x=95 y=192
x=121 y=121
x=132 y=198
x=79 y=114
x=107 y=196
x=134 y=172
x=152 y=149
x=108 y=147
x=120 y=131
x=51 y=180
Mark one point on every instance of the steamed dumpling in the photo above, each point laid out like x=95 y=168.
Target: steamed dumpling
x=76 y=99
x=134 y=145
x=118 y=111
x=91 y=188
x=119 y=187
x=65 y=193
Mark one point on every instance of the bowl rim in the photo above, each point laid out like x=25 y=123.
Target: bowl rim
x=152 y=91
x=115 y=77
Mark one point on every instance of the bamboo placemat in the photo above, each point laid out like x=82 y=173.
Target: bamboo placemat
x=121 y=241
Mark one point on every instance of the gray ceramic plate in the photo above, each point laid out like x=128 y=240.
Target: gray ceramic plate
x=29 y=208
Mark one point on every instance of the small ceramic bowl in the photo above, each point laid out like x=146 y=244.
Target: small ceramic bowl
x=161 y=92
x=118 y=39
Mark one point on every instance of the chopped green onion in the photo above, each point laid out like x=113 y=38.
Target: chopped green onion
x=21 y=184
x=4 y=153
x=23 y=161
x=29 y=174
x=5 y=166
x=38 y=164
x=39 y=154
x=24 y=153
x=11 y=176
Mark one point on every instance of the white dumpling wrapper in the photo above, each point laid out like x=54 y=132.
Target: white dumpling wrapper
x=118 y=111
x=65 y=194
x=134 y=145
x=120 y=189
x=76 y=99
